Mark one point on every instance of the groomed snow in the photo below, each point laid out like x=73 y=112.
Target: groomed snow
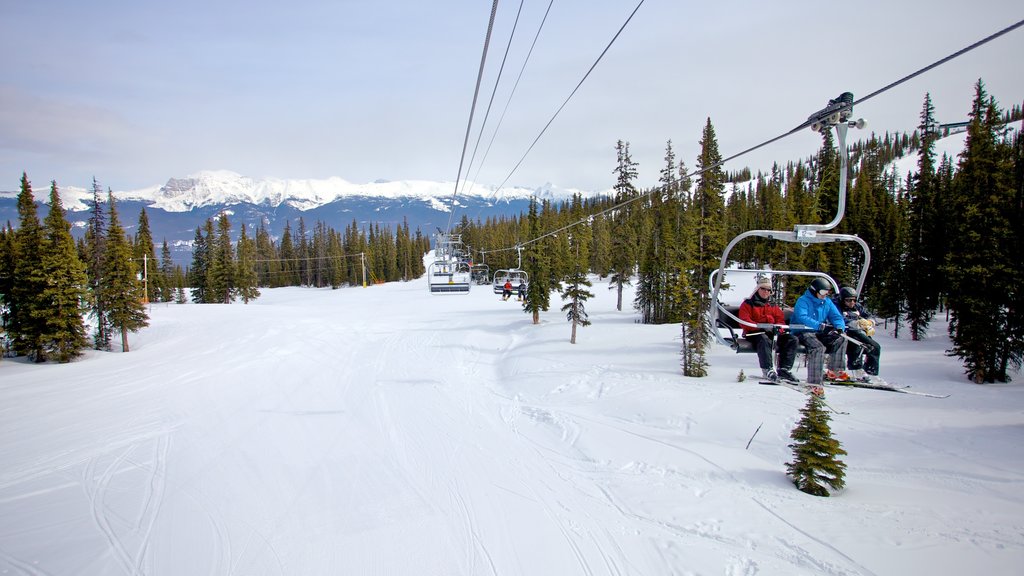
x=387 y=431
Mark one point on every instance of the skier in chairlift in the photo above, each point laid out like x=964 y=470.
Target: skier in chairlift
x=861 y=361
x=822 y=331
x=758 y=309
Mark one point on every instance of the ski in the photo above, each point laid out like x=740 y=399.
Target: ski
x=881 y=386
x=805 y=389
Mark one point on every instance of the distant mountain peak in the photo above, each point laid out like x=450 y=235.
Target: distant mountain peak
x=226 y=188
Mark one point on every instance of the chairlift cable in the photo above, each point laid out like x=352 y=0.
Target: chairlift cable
x=802 y=126
x=472 y=108
x=582 y=80
x=487 y=114
x=511 y=94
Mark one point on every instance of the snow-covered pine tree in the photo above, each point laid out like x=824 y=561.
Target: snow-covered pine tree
x=815 y=467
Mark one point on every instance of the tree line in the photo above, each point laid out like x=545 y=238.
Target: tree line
x=54 y=290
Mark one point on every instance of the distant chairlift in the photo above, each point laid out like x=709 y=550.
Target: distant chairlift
x=837 y=114
x=514 y=276
x=480 y=273
x=449 y=273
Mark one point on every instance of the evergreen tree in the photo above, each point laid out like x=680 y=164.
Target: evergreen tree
x=576 y=283
x=121 y=290
x=922 y=261
x=982 y=280
x=816 y=467
x=220 y=275
x=94 y=254
x=246 y=269
x=7 y=260
x=289 y=275
x=537 y=267
x=66 y=288
x=197 y=275
x=623 y=233
x=145 y=255
x=601 y=246
x=166 y=273
x=707 y=210
x=27 y=310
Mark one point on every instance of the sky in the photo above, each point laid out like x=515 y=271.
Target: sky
x=134 y=93
x=384 y=430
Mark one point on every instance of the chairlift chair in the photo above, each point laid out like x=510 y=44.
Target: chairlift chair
x=515 y=276
x=837 y=114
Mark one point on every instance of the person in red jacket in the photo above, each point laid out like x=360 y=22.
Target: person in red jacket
x=758 y=309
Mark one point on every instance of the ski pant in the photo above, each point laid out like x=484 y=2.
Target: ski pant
x=855 y=355
x=765 y=353
x=817 y=345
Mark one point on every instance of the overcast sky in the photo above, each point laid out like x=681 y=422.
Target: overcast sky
x=136 y=92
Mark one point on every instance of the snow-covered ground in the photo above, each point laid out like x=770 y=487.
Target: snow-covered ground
x=387 y=431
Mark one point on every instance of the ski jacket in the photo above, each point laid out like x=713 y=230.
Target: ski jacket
x=812 y=312
x=858 y=311
x=759 y=311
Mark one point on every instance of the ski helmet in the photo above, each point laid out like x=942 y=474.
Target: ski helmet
x=847 y=292
x=820 y=284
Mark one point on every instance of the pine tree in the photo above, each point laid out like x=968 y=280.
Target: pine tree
x=922 y=262
x=66 y=288
x=537 y=267
x=816 y=467
x=27 y=309
x=166 y=273
x=246 y=269
x=982 y=279
x=197 y=273
x=145 y=254
x=7 y=259
x=94 y=253
x=121 y=290
x=220 y=274
x=576 y=283
x=707 y=218
x=623 y=232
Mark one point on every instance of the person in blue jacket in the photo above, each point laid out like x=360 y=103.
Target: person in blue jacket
x=819 y=326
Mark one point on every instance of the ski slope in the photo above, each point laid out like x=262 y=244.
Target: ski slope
x=387 y=431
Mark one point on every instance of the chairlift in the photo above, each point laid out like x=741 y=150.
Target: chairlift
x=514 y=276
x=480 y=273
x=837 y=114
x=449 y=273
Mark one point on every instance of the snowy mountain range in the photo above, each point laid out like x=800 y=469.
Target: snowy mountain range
x=226 y=188
x=181 y=205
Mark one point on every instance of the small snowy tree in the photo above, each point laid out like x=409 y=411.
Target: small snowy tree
x=815 y=467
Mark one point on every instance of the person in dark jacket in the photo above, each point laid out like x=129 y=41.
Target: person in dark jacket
x=758 y=309
x=860 y=325
x=819 y=326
